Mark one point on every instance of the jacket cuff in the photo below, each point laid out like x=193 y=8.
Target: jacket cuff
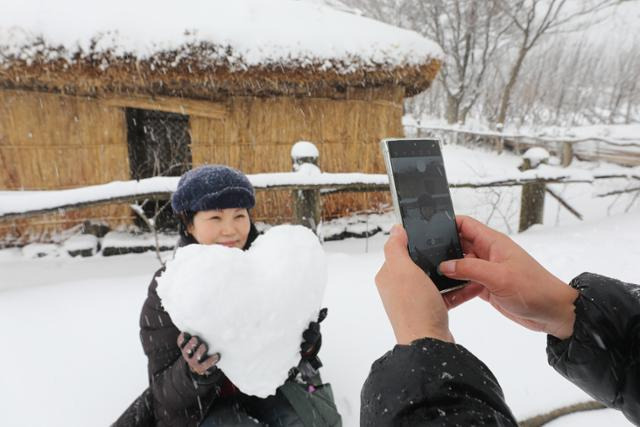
x=594 y=356
x=435 y=378
x=214 y=377
x=600 y=314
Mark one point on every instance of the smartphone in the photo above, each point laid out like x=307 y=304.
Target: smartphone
x=422 y=202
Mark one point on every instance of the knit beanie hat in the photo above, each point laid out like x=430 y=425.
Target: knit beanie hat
x=213 y=187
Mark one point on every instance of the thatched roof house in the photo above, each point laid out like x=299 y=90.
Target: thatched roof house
x=92 y=94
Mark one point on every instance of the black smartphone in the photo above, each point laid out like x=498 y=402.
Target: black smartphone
x=422 y=202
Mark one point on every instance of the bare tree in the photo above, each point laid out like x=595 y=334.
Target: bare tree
x=532 y=19
x=533 y=62
x=151 y=223
x=469 y=32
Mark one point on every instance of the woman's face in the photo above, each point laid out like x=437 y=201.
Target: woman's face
x=229 y=227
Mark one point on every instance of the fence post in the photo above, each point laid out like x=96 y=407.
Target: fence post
x=499 y=141
x=532 y=201
x=566 y=153
x=306 y=203
x=517 y=148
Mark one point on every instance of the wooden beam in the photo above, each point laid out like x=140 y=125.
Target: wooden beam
x=184 y=106
x=564 y=203
x=79 y=205
x=613 y=193
x=193 y=107
x=323 y=188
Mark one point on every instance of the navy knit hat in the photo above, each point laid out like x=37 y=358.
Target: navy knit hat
x=213 y=187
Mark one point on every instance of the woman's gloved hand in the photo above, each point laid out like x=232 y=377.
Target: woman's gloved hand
x=195 y=352
x=313 y=341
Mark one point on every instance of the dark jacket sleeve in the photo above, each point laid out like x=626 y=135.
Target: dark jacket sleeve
x=179 y=398
x=602 y=357
x=432 y=382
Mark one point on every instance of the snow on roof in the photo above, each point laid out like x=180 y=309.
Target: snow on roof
x=237 y=34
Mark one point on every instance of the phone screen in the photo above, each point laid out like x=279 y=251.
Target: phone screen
x=425 y=206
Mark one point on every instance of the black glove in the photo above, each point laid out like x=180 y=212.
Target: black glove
x=196 y=353
x=313 y=341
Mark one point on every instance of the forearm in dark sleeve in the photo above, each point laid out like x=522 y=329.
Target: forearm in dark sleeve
x=175 y=388
x=602 y=356
x=431 y=382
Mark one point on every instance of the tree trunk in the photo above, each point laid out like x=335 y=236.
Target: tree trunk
x=513 y=78
x=566 y=154
x=453 y=109
x=630 y=98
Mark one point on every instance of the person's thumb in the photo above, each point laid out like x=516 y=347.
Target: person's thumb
x=489 y=274
x=396 y=247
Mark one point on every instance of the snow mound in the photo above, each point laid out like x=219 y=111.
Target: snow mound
x=81 y=245
x=82 y=242
x=250 y=306
x=536 y=155
x=39 y=250
x=303 y=149
x=308 y=169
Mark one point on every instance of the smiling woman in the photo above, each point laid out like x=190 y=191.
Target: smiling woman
x=186 y=387
x=213 y=205
x=229 y=227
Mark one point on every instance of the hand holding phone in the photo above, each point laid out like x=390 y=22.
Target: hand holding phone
x=413 y=305
x=422 y=202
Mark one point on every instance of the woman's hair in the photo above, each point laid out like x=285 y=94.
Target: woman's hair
x=184 y=220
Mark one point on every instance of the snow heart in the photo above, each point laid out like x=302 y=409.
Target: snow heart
x=250 y=306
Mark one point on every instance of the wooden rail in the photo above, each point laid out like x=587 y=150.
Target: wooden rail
x=306 y=189
x=620 y=151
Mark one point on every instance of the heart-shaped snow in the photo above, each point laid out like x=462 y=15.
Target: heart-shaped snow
x=250 y=306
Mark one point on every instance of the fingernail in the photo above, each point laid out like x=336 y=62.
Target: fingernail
x=395 y=230
x=447 y=267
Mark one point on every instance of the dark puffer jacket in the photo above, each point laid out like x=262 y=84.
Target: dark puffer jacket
x=431 y=382
x=180 y=398
x=176 y=397
x=602 y=357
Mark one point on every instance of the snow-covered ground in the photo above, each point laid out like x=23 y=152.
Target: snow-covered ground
x=73 y=358
x=70 y=325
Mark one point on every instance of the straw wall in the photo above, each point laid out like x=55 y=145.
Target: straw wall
x=257 y=134
x=50 y=141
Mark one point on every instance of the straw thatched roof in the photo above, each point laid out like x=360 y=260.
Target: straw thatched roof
x=206 y=49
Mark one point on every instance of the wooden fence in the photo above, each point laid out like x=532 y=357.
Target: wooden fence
x=623 y=152
x=307 y=185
